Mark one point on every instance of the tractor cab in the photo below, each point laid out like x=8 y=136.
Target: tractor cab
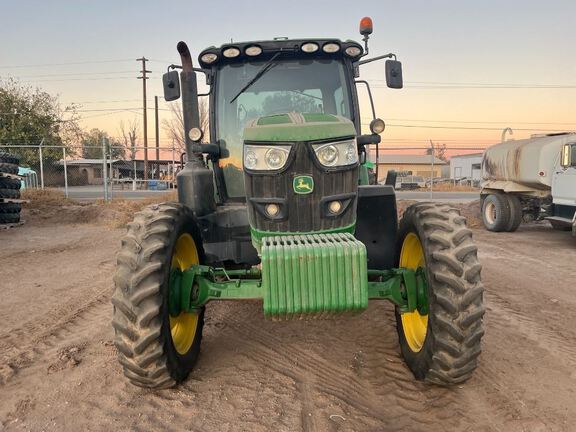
x=266 y=78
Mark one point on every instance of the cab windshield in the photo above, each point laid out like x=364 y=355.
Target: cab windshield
x=305 y=86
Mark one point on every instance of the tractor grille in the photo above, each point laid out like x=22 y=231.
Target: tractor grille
x=302 y=213
x=313 y=276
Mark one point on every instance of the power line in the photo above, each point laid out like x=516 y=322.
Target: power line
x=439 y=84
x=66 y=64
x=78 y=79
x=432 y=87
x=73 y=74
x=480 y=122
x=468 y=128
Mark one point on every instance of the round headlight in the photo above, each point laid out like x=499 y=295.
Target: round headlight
x=275 y=158
x=351 y=153
x=272 y=209
x=309 y=47
x=253 y=51
x=209 y=58
x=195 y=134
x=377 y=126
x=331 y=47
x=353 y=51
x=231 y=52
x=334 y=207
x=250 y=159
x=328 y=155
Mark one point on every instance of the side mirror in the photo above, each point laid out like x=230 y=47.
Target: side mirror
x=394 y=74
x=566 y=157
x=171 y=83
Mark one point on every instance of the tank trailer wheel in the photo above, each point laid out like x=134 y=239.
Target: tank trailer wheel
x=515 y=213
x=441 y=347
x=156 y=348
x=496 y=212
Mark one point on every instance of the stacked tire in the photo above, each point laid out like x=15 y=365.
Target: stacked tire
x=501 y=212
x=9 y=189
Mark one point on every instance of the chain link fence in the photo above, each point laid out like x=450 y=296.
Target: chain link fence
x=96 y=172
x=103 y=172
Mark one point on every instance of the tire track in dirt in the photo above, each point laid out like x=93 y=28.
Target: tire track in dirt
x=537 y=331
x=382 y=384
x=40 y=338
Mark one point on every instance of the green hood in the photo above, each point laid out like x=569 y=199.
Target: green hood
x=298 y=127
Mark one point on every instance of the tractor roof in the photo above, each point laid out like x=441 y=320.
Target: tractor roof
x=240 y=52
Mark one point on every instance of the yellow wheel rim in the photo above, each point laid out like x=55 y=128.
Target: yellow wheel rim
x=413 y=324
x=183 y=327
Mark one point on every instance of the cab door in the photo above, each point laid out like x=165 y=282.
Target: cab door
x=564 y=180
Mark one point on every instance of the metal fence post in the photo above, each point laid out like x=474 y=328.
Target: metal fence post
x=65 y=172
x=111 y=176
x=432 y=170
x=41 y=157
x=104 y=170
x=173 y=176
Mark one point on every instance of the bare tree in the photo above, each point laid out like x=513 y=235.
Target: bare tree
x=439 y=152
x=174 y=126
x=129 y=137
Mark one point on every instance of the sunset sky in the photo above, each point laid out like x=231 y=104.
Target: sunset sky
x=470 y=68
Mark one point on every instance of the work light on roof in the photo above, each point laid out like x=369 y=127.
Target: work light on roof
x=330 y=47
x=253 y=51
x=209 y=58
x=231 y=52
x=353 y=51
x=309 y=47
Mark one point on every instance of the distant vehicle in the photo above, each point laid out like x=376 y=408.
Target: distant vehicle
x=532 y=179
x=439 y=180
x=410 y=182
x=29 y=177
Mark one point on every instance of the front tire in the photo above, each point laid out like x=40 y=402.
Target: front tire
x=496 y=212
x=443 y=346
x=156 y=350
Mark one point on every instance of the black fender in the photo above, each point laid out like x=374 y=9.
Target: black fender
x=377 y=224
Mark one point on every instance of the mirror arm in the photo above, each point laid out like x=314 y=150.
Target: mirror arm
x=390 y=55
x=206 y=72
x=369 y=95
x=363 y=140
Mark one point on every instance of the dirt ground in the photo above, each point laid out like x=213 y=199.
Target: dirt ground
x=58 y=368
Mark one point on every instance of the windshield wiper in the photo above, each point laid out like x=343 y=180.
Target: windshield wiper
x=265 y=68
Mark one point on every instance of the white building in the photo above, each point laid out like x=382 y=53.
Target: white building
x=468 y=166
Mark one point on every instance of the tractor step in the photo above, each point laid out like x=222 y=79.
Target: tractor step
x=313 y=276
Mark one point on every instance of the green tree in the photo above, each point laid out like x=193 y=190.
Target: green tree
x=92 y=145
x=30 y=116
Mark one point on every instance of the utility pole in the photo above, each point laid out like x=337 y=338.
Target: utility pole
x=144 y=78
x=157 y=133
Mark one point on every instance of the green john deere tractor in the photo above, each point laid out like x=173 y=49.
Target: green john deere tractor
x=277 y=205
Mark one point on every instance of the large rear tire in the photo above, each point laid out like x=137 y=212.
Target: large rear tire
x=515 y=207
x=443 y=346
x=9 y=218
x=156 y=350
x=496 y=212
x=9 y=163
x=9 y=158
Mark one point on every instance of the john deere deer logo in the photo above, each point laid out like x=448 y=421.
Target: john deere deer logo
x=303 y=184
